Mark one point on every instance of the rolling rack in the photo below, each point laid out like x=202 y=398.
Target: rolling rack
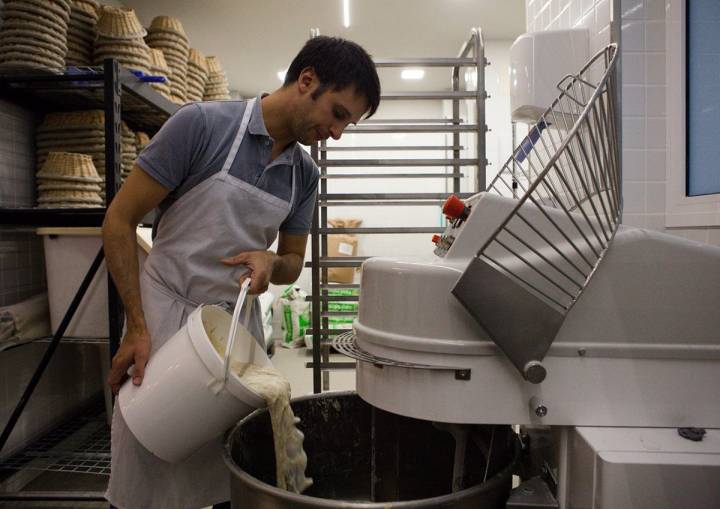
x=82 y=445
x=471 y=55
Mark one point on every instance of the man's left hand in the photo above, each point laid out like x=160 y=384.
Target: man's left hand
x=260 y=268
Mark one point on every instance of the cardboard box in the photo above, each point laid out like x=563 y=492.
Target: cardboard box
x=342 y=244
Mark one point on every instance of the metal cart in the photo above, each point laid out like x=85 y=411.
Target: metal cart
x=471 y=57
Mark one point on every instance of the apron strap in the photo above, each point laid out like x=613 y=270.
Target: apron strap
x=238 y=137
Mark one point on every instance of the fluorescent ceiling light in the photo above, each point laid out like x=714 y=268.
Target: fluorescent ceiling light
x=412 y=74
x=281 y=75
x=346 y=13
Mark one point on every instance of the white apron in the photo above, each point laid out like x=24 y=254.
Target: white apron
x=220 y=217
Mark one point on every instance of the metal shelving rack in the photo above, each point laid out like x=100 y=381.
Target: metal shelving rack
x=472 y=55
x=121 y=95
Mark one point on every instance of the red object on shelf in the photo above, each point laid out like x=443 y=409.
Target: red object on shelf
x=455 y=208
x=436 y=238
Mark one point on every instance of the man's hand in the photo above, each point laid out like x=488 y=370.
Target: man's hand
x=260 y=266
x=134 y=350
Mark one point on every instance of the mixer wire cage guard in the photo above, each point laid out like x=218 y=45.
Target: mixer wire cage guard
x=570 y=166
x=535 y=265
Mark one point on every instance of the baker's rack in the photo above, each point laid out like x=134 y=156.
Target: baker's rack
x=472 y=57
x=121 y=95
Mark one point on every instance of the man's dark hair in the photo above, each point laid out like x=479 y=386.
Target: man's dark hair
x=338 y=63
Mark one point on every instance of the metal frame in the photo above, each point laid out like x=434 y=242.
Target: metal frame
x=119 y=93
x=472 y=55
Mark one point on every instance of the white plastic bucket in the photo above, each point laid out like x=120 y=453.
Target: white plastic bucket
x=175 y=411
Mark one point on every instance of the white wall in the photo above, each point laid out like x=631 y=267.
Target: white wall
x=556 y=14
x=644 y=115
x=644 y=60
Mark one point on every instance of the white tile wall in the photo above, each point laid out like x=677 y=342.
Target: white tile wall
x=655 y=10
x=654 y=68
x=22 y=270
x=655 y=100
x=633 y=9
x=633 y=69
x=633 y=132
x=655 y=131
x=634 y=164
x=644 y=88
x=655 y=35
x=656 y=165
x=633 y=35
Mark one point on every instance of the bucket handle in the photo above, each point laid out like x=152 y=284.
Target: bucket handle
x=244 y=287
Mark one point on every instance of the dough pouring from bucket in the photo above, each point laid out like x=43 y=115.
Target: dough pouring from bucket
x=274 y=388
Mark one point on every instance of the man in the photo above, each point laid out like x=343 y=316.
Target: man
x=226 y=178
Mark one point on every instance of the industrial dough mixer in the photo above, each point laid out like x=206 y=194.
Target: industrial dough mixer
x=539 y=308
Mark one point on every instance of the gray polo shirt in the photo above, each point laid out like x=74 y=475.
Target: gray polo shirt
x=194 y=143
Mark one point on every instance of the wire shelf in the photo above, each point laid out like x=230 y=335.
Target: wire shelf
x=78 y=340
x=81 y=445
x=567 y=171
x=83 y=88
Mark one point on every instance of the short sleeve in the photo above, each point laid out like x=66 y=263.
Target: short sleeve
x=300 y=220
x=176 y=148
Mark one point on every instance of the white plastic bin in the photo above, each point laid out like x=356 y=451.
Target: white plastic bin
x=176 y=411
x=69 y=252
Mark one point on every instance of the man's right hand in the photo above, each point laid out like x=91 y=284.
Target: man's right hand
x=134 y=351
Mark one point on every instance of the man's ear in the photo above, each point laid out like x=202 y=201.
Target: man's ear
x=307 y=80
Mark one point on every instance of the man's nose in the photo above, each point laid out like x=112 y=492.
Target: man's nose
x=336 y=131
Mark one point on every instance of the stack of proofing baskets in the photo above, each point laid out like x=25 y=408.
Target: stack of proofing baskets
x=82 y=132
x=81 y=32
x=141 y=140
x=34 y=34
x=68 y=180
x=217 y=87
x=120 y=36
x=50 y=34
x=167 y=34
x=197 y=75
x=159 y=67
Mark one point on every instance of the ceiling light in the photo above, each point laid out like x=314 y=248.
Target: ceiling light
x=281 y=75
x=412 y=74
x=346 y=13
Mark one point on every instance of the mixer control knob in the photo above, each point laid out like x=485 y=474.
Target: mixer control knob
x=455 y=208
x=436 y=238
x=534 y=372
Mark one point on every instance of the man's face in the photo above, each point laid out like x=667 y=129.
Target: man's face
x=328 y=114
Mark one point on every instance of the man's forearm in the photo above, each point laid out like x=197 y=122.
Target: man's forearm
x=120 y=244
x=286 y=268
